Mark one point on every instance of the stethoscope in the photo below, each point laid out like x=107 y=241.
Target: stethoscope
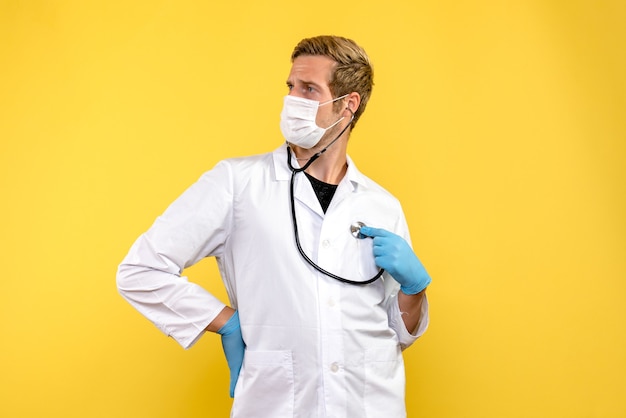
x=355 y=228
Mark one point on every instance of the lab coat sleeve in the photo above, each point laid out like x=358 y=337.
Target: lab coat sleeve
x=396 y=322
x=193 y=227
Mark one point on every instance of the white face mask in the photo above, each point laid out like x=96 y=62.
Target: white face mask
x=297 y=121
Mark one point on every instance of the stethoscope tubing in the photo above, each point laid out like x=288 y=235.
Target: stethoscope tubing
x=294 y=220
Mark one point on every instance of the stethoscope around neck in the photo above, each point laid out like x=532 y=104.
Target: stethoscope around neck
x=354 y=228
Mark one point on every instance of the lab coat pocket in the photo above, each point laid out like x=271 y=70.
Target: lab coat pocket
x=384 y=382
x=266 y=385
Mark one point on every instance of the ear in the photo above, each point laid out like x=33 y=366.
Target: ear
x=353 y=101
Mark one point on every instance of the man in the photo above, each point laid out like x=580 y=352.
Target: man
x=296 y=233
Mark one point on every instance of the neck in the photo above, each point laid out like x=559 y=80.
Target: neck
x=331 y=173
x=330 y=167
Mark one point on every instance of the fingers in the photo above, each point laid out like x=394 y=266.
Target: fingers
x=373 y=232
x=233 y=383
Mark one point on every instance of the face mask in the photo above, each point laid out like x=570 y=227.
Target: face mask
x=297 y=121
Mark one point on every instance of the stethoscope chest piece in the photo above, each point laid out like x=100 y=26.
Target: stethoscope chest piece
x=355 y=230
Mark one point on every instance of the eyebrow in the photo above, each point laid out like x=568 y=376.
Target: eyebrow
x=306 y=82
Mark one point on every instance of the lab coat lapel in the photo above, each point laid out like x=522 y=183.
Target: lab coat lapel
x=303 y=192
x=348 y=185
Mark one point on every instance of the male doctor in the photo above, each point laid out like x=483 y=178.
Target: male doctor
x=324 y=289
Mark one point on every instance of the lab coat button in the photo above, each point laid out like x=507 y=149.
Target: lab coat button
x=334 y=367
x=326 y=243
x=331 y=302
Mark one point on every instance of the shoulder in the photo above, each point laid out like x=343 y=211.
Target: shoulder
x=377 y=206
x=365 y=185
x=249 y=162
x=240 y=167
x=238 y=173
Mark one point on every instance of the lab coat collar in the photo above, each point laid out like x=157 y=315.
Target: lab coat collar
x=283 y=173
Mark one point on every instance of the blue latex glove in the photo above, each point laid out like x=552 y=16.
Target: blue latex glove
x=234 y=347
x=393 y=253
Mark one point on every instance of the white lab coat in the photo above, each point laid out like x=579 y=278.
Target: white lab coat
x=315 y=347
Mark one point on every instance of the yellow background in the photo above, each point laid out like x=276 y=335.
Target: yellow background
x=501 y=125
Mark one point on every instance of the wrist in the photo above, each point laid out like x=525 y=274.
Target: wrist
x=230 y=326
x=221 y=319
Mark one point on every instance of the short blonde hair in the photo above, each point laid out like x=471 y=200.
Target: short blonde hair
x=353 y=71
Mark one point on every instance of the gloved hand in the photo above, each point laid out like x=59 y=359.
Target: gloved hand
x=393 y=253
x=233 y=345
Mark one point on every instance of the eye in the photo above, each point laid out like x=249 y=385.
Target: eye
x=289 y=86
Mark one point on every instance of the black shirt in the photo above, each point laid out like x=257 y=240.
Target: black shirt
x=323 y=191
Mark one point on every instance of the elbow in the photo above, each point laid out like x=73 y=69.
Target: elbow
x=122 y=279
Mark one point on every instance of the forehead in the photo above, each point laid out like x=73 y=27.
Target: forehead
x=311 y=68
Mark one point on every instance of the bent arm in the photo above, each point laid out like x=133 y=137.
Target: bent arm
x=195 y=226
x=412 y=309
x=152 y=284
x=408 y=315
